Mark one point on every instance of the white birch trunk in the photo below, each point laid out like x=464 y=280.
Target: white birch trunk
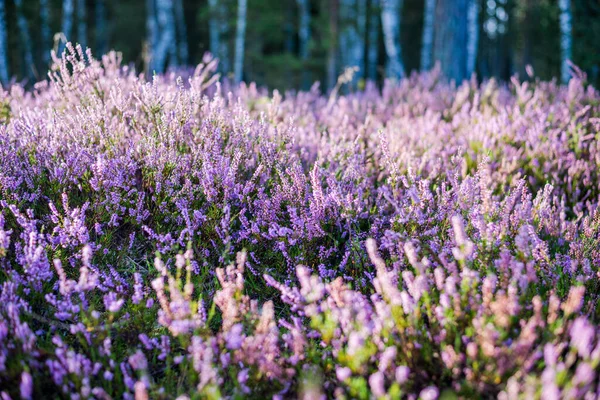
x=166 y=35
x=4 y=74
x=182 y=43
x=427 y=40
x=45 y=30
x=81 y=24
x=373 y=37
x=390 y=21
x=25 y=39
x=240 y=38
x=566 y=38
x=473 y=36
x=67 y=23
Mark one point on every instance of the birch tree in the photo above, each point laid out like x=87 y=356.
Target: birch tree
x=45 y=30
x=25 y=39
x=566 y=38
x=390 y=21
x=240 y=38
x=182 y=43
x=81 y=24
x=450 y=44
x=427 y=39
x=165 y=24
x=373 y=40
x=472 y=36
x=3 y=48
x=67 y=23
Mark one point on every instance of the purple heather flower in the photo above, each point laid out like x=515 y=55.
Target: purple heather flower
x=401 y=374
x=584 y=374
x=138 y=361
x=111 y=302
x=26 y=386
x=395 y=202
x=377 y=384
x=343 y=373
x=234 y=337
x=582 y=336
x=108 y=375
x=387 y=358
x=178 y=359
x=429 y=393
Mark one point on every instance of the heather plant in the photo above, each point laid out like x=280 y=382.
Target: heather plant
x=182 y=237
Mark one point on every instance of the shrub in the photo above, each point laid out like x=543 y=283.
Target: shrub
x=183 y=237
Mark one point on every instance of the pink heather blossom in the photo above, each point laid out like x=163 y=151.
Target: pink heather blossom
x=402 y=374
x=429 y=393
x=343 y=373
x=377 y=384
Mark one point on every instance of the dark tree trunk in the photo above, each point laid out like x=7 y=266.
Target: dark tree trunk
x=428 y=30
x=304 y=38
x=101 y=31
x=373 y=40
x=451 y=37
x=333 y=37
x=524 y=32
x=67 y=24
x=25 y=39
x=45 y=30
x=82 y=24
x=182 y=43
x=4 y=73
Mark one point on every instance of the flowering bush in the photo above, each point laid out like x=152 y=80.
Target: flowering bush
x=184 y=238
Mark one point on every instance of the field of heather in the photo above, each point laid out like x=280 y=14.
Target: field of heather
x=182 y=237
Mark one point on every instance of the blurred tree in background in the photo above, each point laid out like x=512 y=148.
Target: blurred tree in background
x=292 y=43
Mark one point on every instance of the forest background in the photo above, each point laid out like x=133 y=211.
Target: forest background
x=289 y=44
